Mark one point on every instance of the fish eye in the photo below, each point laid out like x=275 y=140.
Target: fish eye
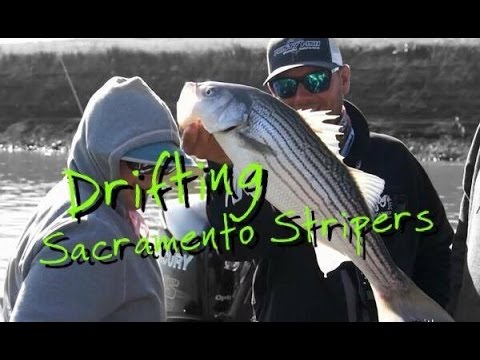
x=209 y=91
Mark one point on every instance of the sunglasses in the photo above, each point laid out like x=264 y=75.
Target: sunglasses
x=316 y=82
x=144 y=169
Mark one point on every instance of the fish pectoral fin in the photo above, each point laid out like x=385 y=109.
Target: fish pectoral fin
x=370 y=186
x=326 y=132
x=328 y=258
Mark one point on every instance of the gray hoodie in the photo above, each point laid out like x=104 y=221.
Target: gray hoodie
x=122 y=115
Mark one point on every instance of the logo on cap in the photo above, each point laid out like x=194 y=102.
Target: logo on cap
x=297 y=45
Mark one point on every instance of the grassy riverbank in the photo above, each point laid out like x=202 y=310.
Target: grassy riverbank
x=423 y=93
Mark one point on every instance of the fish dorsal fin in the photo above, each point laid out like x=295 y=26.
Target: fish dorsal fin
x=327 y=132
x=370 y=186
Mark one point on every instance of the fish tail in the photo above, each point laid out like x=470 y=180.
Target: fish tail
x=412 y=306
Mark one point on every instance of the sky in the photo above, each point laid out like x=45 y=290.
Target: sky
x=26 y=40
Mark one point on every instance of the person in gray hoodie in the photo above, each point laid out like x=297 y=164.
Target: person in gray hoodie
x=125 y=127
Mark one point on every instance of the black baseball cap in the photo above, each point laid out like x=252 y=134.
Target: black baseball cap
x=286 y=54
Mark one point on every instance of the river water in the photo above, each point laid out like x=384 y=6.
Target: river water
x=25 y=177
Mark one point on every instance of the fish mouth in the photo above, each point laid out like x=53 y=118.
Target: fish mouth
x=185 y=105
x=197 y=121
x=230 y=128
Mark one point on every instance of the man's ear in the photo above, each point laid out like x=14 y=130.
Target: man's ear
x=345 y=79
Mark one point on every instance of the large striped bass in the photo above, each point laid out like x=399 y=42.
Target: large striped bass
x=300 y=153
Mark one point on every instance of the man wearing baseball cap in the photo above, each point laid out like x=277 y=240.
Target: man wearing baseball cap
x=320 y=60
x=309 y=73
x=124 y=129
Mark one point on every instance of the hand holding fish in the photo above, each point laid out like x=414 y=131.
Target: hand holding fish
x=198 y=142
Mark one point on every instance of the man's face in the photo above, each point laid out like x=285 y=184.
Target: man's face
x=330 y=99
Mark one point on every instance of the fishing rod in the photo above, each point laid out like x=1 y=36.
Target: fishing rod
x=71 y=84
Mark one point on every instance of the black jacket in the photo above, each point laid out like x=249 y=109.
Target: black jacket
x=288 y=284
